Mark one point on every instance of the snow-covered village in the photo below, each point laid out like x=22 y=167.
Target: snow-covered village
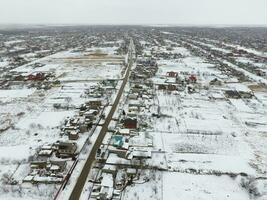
x=126 y=113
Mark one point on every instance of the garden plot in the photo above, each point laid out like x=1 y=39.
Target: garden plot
x=206 y=126
x=17 y=172
x=171 y=185
x=15 y=106
x=143 y=189
x=255 y=105
x=200 y=102
x=69 y=94
x=190 y=65
x=165 y=124
x=50 y=119
x=158 y=160
x=262 y=96
x=35 y=130
x=241 y=106
x=167 y=66
x=255 y=122
x=207 y=117
x=99 y=71
x=69 y=66
x=3 y=64
x=201 y=187
x=213 y=47
x=259 y=161
x=167 y=100
x=183 y=51
x=15 y=94
x=28 y=68
x=104 y=50
x=194 y=114
x=202 y=153
x=49 y=67
x=14 y=154
x=29 y=192
x=205 y=144
x=250 y=61
x=209 y=163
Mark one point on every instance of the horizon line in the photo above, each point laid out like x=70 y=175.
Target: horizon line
x=222 y=25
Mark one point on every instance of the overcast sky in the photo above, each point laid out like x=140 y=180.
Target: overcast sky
x=200 y=12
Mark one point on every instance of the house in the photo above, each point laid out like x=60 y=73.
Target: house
x=123 y=131
x=132 y=114
x=216 y=82
x=162 y=87
x=71 y=124
x=171 y=87
x=192 y=79
x=107 y=180
x=46 y=150
x=57 y=166
x=102 y=154
x=135 y=103
x=107 y=185
x=66 y=149
x=47 y=179
x=117 y=141
x=172 y=74
x=133 y=96
x=39 y=76
x=217 y=96
x=246 y=94
x=38 y=165
x=119 y=152
x=133 y=109
x=69 y=128
x=111 y=169
x=106 y=192
x=28 y=179
x=73 y=135
x=141 y=154
x=51 y=166
x=120 y=142
x=120 y=178
x=90 y=114
x=260 y=72
x=170 y=80
x=130 y=123
x=232 y=94
x=95 y=104
x=131 y=171
x=19 y=78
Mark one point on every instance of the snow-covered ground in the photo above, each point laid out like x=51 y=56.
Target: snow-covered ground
x=166 y=186
x=197 y=144
x=32 y=120
x=208 y=148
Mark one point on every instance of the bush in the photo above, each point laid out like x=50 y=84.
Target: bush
x=251 y=186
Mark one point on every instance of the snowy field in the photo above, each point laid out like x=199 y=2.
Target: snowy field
x=170 y=186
